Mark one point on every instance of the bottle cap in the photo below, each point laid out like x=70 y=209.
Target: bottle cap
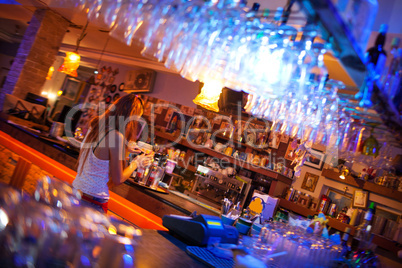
x=383 y=28
x=278 y=14
x=395 y=42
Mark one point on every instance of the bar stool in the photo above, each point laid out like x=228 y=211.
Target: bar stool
x=20 y=173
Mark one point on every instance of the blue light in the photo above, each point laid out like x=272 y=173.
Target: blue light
x=129 y=248
x=9 y=2
x=85 y=261
x=128 y=261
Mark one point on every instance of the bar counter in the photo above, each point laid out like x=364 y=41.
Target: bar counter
x=160 y=249
x=66 y=155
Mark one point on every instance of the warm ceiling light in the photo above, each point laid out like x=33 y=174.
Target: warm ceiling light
x=70 y=64
x=50 y=73
x=209 y=96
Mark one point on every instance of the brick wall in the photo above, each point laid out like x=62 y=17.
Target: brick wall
x=36 y=54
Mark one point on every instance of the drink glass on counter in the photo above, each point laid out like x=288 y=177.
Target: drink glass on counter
x=155 y=175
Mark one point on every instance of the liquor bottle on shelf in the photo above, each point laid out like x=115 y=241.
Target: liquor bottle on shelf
x=392 y=76
x=359 y=16
x=363 y=235
x=376 y=54
x=375 y=59
x=345 y=247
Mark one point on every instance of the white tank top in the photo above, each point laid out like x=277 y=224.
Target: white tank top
x=93 y=176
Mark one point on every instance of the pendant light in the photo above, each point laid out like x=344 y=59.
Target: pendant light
x=209 y=95
x=72 y=59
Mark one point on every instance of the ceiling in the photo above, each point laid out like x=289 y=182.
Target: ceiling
x=97 y=44
x=15 y=16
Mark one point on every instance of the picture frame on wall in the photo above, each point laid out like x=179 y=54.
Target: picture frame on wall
x=274 y=139
x=340 y=199
x=315 y=159
x=360 y=199
x=290 y=152
x=139 y=81
x=71 y=88
x=314 y=203
x=310 y=181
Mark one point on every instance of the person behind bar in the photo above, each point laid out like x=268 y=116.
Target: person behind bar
x=103 y=151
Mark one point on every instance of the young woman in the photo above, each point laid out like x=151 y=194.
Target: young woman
x=103 y=152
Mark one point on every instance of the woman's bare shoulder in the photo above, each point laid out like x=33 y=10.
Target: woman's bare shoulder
x=115 y=136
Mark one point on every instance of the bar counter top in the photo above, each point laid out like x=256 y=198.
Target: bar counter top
x=160 y=249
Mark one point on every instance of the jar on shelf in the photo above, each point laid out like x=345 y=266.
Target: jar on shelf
x=324 y=204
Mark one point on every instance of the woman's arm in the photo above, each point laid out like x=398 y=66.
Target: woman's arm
x=118 y=172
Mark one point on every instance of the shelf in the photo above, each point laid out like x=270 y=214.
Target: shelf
x=334 y=223
x=365 y=185
x=242 y=144
x=186 y=166
x=234 y=161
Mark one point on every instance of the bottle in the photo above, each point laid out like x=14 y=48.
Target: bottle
x=359 y=16
x=363 y=236
x=397 y=101
x=152 y=174
x=376 y=54
x=345 y=247
x=140 y=175
x=392 y=77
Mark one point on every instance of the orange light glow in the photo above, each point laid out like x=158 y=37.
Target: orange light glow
x=70 y=64
x=50 y=73
x=209 y=96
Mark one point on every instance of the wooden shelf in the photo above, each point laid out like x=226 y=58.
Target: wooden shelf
x=368 y=186
x=242 y=144
x=334 y=223
x=186 y=166
x=232 y=160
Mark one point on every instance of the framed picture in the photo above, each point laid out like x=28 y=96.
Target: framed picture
x=310 y=182
x=290 y=152
x=304 y=201
x=314 y=203
x=341 y=200
x=315 y=159
x=274 y=139
x=284 y=138
x=360 y=198
x=139 y=81
x=71 y=88
x=177 y=121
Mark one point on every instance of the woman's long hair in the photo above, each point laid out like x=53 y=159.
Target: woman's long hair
x=122 y=115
